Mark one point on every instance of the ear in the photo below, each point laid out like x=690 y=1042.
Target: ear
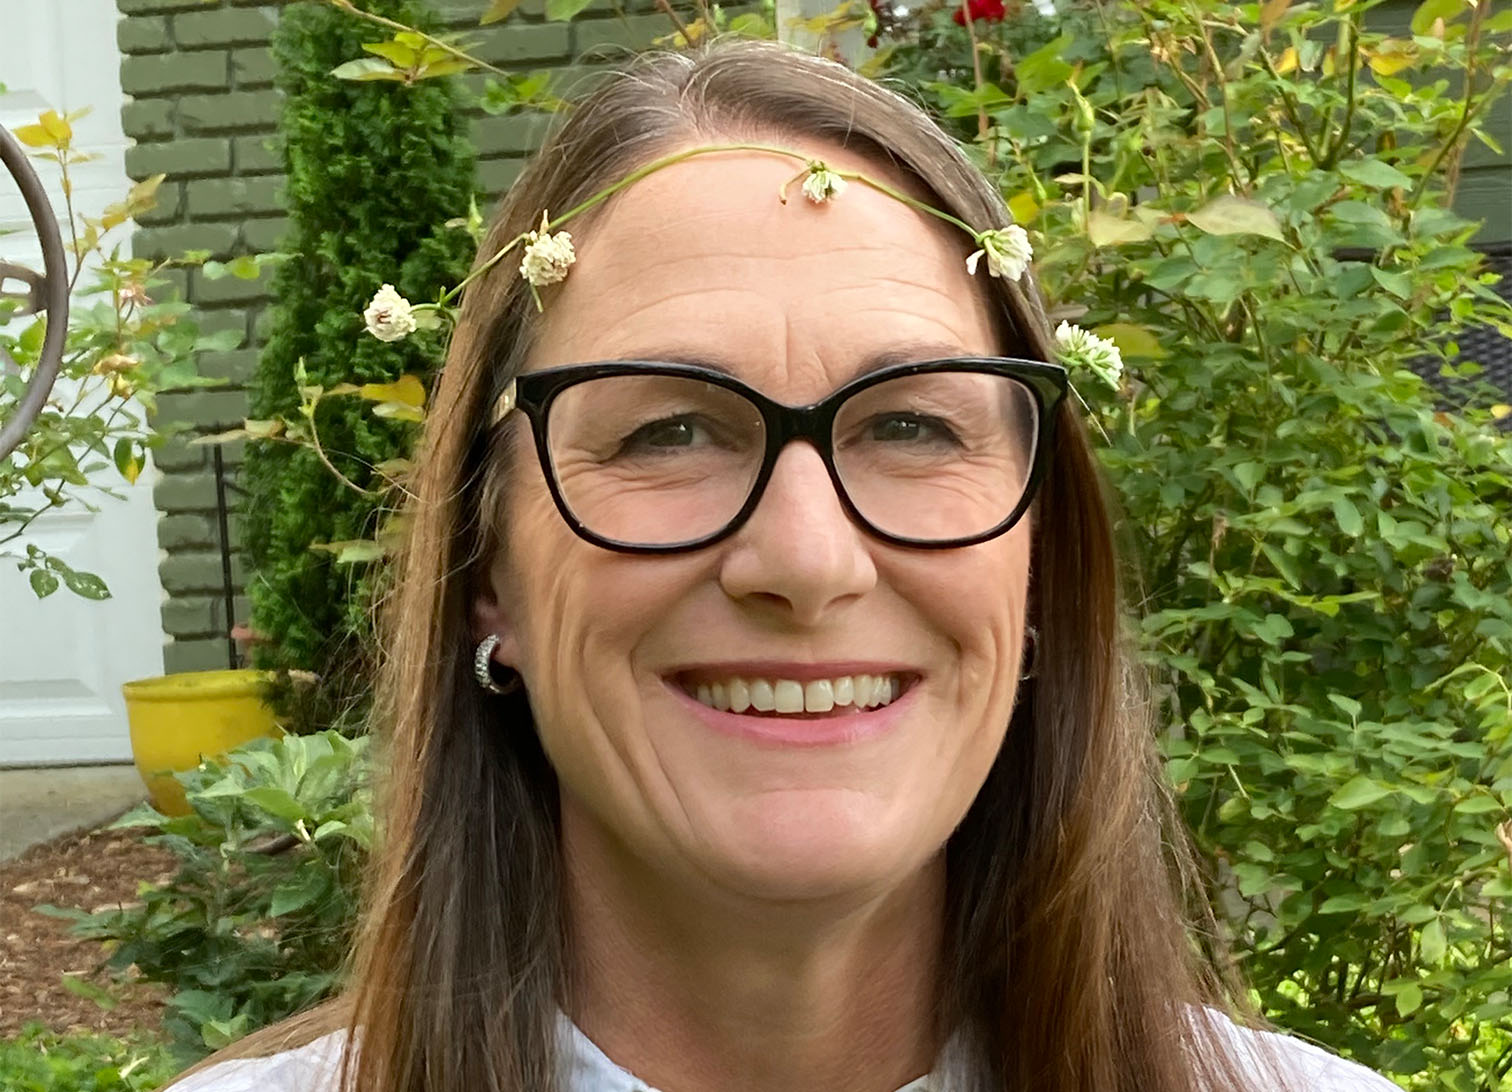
x=490 y=616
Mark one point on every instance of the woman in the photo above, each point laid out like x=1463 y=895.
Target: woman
x=801 y=750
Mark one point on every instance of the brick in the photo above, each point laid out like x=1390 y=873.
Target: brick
x=497 y=175
x=527 y=42
x=203 y=654
x=253 y=68
x=169 y=208
x=167 y=242
x=171 y=284
x=187 y=529
x=180 y=158
x=198 y=571
x=611 y=38
x=230 y=112
x=222 y=27
x=154 y=74
x=238 y=365
x=208 y=409
x=148 y=119
x=216 y=319
x=188 y=492
x=145 y=34
x=264 y=235
x=256 y=155
x=229 y=290
x=517 y=134
x=215 y=198
x=137 y=7
x=192 y=616
x=177 y=454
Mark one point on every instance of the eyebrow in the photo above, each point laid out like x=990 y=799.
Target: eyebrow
x=907 y=352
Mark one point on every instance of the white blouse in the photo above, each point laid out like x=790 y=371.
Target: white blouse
x=315 y=1066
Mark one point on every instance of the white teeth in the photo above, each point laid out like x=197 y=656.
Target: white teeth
x=762 y=698
x=790 y=696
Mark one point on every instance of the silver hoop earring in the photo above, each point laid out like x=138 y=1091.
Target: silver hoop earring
x=1032 y=639
x=480 y=664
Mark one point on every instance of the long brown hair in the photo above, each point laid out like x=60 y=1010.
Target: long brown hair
x=1077 y=950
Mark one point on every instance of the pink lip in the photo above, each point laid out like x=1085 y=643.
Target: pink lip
x=845 y=725
x=783 y=669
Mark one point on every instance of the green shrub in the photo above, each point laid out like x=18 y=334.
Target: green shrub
x=257 y=921
x=375 y=169
x=38 y=1060
x=1253 y=202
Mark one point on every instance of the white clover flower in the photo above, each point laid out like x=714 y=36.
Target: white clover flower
x=389 y=317
x=1008 y=252
x=548 y=256
x=821 y=183
x=1083 y=348
x=1046 y=8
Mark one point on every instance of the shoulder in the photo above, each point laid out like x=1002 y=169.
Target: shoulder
x=313 y=1067
x=1304 y=1067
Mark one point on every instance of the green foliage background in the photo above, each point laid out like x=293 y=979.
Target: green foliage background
x=1253 y=200
x=375 y=169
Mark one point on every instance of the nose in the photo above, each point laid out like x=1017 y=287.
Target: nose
x=799 y=552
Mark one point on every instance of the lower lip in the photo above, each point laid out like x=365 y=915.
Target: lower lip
x=823 y=731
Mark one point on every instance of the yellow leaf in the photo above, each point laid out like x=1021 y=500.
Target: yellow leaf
x=398 y=411
x=406 y=390
x=1271 y=12
x=1132 y=340
x=131 y=470
x=1024 y=207
x=57 y=127
x=1500 y=411
x=264 y=429
x=1107 y=230
x=34 y=136
x=1393 y=55
x=499 y=9
x=1287 y=62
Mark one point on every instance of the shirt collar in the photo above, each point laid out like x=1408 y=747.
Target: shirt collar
x=586 y=1068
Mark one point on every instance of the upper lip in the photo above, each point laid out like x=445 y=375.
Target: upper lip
x=787 y=669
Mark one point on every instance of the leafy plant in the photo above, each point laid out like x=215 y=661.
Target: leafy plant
x=350 y=235
x=1253 y=202
x=123 y=347
x=256 y=923
x=38 y=1060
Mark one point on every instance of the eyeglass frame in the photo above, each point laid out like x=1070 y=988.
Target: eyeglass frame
x=534 y=392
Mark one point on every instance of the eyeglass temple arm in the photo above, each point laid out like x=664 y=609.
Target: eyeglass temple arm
x=502 y=405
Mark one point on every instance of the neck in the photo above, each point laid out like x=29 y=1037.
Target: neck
x=696 y=991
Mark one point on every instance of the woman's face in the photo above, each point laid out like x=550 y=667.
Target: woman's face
x=700 y=260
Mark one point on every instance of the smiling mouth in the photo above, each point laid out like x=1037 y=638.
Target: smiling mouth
x=772 y=697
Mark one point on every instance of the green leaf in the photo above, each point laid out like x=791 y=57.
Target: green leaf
x=497 y=11
x=277 y=802
x=297 y=892
x=1344 y=904
x=43 y=583
x=1430 y=10
x=1374 y=173
x=1432 y=944
x=1350 y=707
x=561 y=10
x=1230 y=215
x=86 y=585
x=1348 y=517
x=1357 y=793
x=1409 y=999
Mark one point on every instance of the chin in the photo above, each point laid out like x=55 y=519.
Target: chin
x=811 y=849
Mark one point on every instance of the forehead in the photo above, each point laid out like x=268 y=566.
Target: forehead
x=702 y=260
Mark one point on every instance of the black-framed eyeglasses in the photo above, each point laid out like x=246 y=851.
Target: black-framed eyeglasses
x=653 y=457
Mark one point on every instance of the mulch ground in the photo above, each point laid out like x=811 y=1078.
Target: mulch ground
x=90 y=870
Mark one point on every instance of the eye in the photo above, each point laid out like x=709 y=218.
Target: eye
x=909 y=428
x=669 y=432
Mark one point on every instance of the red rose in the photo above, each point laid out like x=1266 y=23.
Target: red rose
x=991 y=10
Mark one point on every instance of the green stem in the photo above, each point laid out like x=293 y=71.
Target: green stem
x=677 y=157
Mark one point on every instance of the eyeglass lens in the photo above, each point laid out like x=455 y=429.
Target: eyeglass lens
x=658 y=460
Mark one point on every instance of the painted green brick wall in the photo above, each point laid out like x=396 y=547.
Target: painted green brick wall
x=203 y=110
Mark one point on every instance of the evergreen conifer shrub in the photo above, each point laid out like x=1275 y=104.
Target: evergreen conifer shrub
x=375 y=169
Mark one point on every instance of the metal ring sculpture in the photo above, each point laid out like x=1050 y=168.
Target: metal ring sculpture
x=47 y=291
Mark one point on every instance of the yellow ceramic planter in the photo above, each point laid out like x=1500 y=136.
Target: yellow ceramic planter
x=176 y=719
